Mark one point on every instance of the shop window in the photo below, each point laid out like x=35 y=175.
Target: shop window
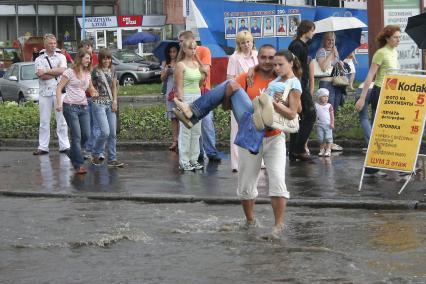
x=103 y=10
x=65 y=10
x=46 y=10
x=66 y=31
x=46 y=25
x=149 y=46
x=27 y=26
x=8 y=30
x=7 y=10
x=26 y=10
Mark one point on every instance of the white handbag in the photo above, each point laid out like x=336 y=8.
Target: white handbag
x=318 y=72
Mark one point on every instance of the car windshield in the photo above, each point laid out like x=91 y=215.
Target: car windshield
x=128 y=56
x=28 y=72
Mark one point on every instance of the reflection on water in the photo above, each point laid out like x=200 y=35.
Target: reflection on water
x=57 y=176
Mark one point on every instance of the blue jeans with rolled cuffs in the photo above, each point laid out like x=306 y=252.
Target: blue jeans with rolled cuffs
x=107 y=122
x=241 y=102
x=78 y=120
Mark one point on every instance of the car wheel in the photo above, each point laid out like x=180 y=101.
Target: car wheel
x=21 y=99
x=128 y=80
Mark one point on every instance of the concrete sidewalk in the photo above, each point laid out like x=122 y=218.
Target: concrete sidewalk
x=153 y=176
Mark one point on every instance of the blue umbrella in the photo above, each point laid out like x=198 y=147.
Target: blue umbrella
x=141 y=37
x=160 y=50
x=346 y=42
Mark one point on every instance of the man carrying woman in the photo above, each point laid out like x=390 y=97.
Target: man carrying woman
x=273 y=148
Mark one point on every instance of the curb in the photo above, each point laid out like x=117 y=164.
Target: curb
x=170 y=198
x=157 y=98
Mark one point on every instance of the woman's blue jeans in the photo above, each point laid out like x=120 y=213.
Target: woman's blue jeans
x=107 y=122
x=240 y=101
x=78 y=120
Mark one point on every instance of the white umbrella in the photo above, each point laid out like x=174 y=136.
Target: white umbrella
x=332 y=24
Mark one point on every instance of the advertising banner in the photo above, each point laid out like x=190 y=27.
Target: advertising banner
x=398 y=125
x=129 y=21
x=396 y=13
x=99 y=22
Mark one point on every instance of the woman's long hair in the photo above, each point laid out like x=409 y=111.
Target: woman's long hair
x=189 y=43
x=297 y=67
x=167 y=52
x=104 y=53
x=386 y=33
x=78 y=62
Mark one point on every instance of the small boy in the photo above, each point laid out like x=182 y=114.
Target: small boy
x=325 y=122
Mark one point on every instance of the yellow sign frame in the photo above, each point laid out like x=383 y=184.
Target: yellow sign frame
x=399 y=124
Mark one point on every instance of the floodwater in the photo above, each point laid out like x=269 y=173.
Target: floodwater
x=81 y=241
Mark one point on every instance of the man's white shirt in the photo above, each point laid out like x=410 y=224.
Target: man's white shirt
x=48 y=87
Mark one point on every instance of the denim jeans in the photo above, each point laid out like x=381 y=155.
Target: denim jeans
x=94 y=127
x=240 y=101
x=78 y=120
x=372 y=98
x=208 y=136
x=335 y=97
x=107 y=122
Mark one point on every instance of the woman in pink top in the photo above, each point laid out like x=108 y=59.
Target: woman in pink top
x=242 y=60
x=76 y=81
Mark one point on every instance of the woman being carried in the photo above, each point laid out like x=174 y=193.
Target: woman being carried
x=273 y=148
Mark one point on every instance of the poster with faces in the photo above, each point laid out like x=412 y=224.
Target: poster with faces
x=256 y=26
x=230 y=27
x=280 y=25
x=268 y=26
x=293 y=23
x=242 y=24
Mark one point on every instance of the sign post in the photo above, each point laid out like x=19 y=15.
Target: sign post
x=398 y=126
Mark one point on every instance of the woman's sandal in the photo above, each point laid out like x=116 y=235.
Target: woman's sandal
x=174 y=146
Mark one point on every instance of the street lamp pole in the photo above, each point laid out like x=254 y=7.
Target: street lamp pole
x=83 y=26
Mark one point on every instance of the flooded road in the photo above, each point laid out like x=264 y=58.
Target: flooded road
x=81 y=241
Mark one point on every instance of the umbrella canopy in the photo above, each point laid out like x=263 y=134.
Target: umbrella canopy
x=332 y=24
x=347 y=30
x=160 y=50
x=346 y=42
x=416 y=29
x=140 y=37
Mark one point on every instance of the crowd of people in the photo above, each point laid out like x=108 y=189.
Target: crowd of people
x=85 y=99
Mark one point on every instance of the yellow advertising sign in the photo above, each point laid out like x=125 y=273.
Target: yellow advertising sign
x=399 y=123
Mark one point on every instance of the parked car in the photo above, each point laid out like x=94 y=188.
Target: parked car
x=19 y=83
x=8 y=56
x=132 y=68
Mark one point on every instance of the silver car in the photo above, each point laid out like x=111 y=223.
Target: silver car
x=19 y=83
x=132 y=68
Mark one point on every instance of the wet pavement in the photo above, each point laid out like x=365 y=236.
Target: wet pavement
x=82 y=241
x=155 y=172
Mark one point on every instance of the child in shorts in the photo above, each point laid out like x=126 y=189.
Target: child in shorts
x=325 y=122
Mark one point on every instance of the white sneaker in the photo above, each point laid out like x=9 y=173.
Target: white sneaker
x=327 y=153
x=196 y=166
x=335 y=147
x=321 y=152
x=186 y=167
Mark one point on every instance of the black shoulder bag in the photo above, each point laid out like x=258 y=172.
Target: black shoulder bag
x=56 y=78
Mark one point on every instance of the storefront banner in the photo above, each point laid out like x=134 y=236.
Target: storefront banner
x=129 y=21
x=99 y=22
x=399 y=123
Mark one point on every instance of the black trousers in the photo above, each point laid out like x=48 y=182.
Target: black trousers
x=306 y=124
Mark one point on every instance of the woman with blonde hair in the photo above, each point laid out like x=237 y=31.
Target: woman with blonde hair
x=244 y=58
x=188 y=77
x=76 y=81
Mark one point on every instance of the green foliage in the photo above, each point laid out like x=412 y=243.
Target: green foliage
x=140 y=90
x=149 y=123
